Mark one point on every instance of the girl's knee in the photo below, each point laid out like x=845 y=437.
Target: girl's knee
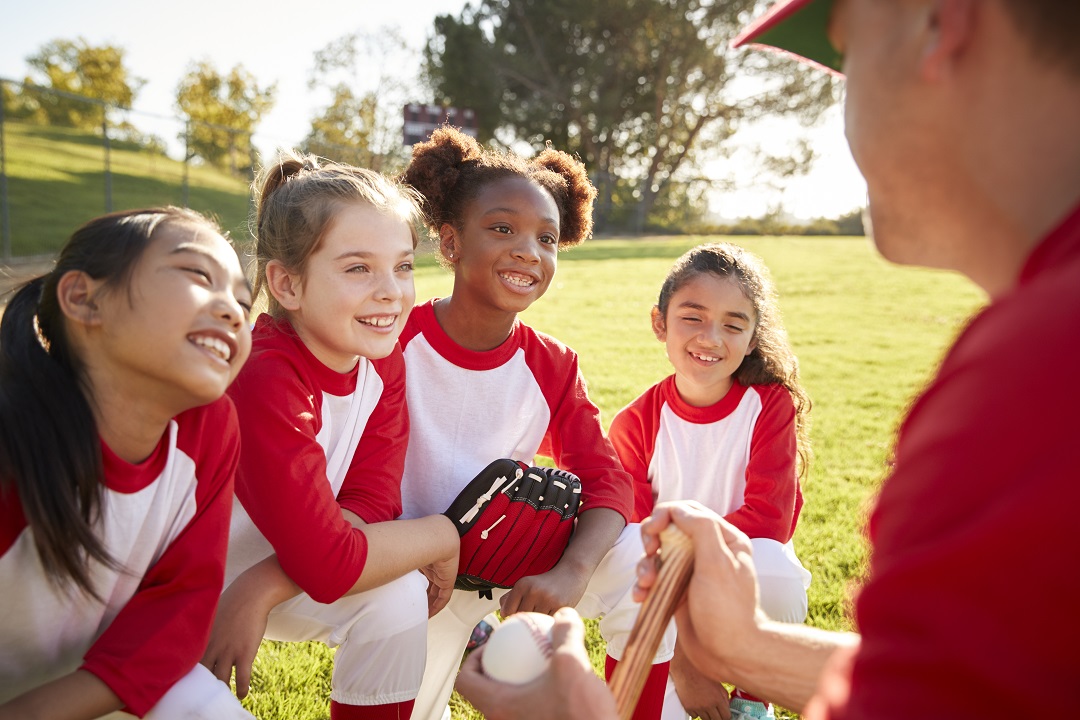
x=199 y=695
x=782 y=580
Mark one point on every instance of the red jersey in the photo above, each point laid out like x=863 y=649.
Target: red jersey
x=970 y=606
x=165 y=521
x=315 y=442
x=736 y=457
x=525 y=397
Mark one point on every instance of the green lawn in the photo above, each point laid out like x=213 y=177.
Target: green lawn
x=56 y=181
x=868 y=335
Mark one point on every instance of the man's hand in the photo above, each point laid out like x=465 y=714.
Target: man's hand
x=568 y=690
x=720 y=617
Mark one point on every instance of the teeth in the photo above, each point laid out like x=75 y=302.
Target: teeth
x=705 y=358
x=214 y=345
x=517 y=280
x=380 y=322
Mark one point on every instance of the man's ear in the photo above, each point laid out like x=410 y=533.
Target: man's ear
x=449 y=243
x=77 y=293
x=950 y=25
x=659 y=326
x=284 y=285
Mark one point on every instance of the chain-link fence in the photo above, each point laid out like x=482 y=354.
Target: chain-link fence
x=65 y=159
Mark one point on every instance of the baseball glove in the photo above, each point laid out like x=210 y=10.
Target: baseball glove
x=514 y=520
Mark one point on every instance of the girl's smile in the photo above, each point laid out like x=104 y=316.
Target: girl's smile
x=181 y=326
x=708 y=331
x=505 y=254
x=217 y=344
x=356 y=290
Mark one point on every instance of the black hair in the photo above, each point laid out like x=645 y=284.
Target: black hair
x=50 y=452
x=451 y=168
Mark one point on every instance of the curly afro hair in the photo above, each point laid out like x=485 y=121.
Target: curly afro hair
x=450 y=169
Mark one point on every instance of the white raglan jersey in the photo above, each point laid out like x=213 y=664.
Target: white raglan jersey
x=737 y=457
x=315 y=441
x=165 y=521
x=524 y=397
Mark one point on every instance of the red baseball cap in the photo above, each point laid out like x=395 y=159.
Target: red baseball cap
x=797 y=27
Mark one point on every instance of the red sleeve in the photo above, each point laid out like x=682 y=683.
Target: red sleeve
x=161 y=633
x=772 y=499
x=971 y=602
x=372 y=486
x=575 y=436
x=282 y=480
x=633 y=435
x=12 y=520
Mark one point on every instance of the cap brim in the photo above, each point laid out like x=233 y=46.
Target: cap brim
x=796 y=27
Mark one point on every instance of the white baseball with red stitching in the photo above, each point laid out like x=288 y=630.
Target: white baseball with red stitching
x=519 y=649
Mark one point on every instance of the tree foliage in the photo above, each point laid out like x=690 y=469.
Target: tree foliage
x=223 y=112
x=74 y=67
x=636 y=87
x=362 y=124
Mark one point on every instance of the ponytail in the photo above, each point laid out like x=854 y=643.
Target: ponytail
x=50 y=451
x=49 y=447
x=298 y=196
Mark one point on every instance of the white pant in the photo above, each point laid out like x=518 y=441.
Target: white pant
x=380 y=636
x=196 y=696
x=782 y=586
x=608 y=597
x=380 y=639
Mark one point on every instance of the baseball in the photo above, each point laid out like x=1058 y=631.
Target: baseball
x=519 y=649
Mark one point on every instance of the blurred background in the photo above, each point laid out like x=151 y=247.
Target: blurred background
x=113 y=104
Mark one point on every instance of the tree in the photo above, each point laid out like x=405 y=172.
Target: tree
x=635 y=87
x=74 y=67
x=362 y=123
x=223 y=112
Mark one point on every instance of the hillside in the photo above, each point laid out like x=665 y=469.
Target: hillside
x=56 y=181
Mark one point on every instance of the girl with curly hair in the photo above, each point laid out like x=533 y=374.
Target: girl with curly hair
x=484 y=385
x=727 y=429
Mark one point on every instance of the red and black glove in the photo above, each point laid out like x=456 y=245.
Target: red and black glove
x=514 y=520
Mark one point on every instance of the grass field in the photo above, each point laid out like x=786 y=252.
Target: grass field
x=56 y=181
x=868 y=335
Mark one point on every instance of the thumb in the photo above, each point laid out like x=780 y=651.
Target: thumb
x=568 y=632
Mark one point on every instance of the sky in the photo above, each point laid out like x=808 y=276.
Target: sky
x=277 y=42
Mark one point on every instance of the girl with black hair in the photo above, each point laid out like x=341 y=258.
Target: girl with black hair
x=117 y=454
x=484 y=385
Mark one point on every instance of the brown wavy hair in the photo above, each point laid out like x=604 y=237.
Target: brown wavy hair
x=451 y=168
x=772 y=361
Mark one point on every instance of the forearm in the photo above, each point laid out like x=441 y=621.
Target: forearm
x=266 y=584
x=595 y=533
x=786 y=662
x=72 y=697
x=398 y=547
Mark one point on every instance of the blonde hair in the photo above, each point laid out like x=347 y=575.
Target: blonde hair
x=297 y=198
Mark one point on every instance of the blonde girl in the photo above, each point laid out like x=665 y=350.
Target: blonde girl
x=315 y=550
